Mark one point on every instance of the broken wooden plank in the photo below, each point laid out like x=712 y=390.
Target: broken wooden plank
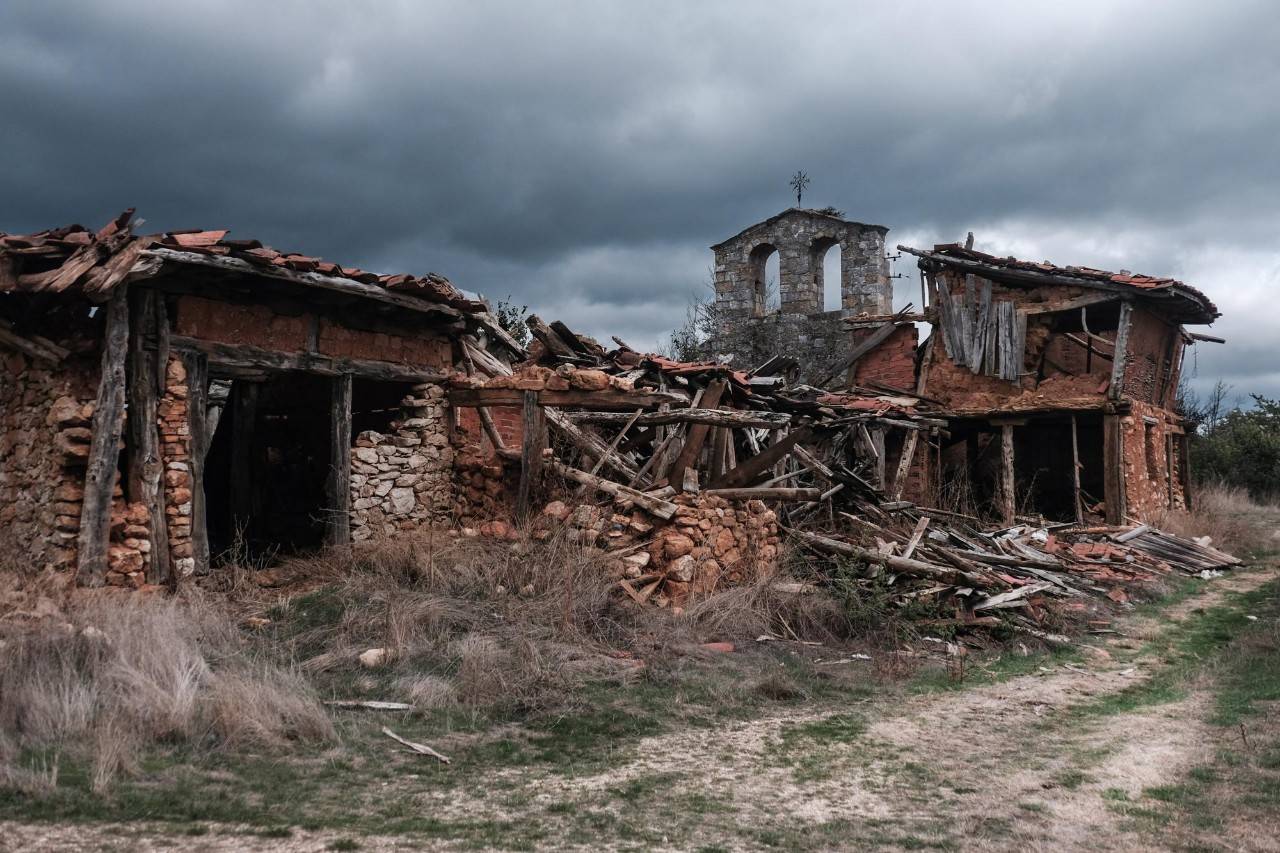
x=898 y=564
x=338 y=482
x=1007 y=497
x=610 y=399
x=535 y=439
x=617 y=439
x=549 y=339
x=146 y=465
x=1121 y=361
x=916 y=535
x=904 y=464
x=749 y=470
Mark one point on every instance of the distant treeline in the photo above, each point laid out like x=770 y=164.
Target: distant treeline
x=1232 y=443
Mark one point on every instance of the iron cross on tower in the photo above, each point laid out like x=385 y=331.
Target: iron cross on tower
x=798 y=183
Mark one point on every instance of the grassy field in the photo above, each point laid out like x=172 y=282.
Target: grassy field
x=1164 y=735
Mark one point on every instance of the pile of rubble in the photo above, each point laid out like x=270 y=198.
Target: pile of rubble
x=708 y=469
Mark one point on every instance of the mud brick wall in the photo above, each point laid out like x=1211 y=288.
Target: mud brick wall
x=403 y=480
x=175 y=449
x=45 y=415
x=964 y=390
x=893 y=362
x=261 y=326
x=1147 y=469
x=1153 y=343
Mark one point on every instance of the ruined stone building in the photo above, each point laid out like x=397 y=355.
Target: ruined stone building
x=172 y=401
x=1058 y=383
x=169 y=397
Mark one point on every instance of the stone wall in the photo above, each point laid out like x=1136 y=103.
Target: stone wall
x=403 y=479
x=45 y=415
x=819 y=342
x=175 y=450
x=802 y=239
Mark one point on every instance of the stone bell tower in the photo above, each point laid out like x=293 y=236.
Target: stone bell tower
x=799 y=327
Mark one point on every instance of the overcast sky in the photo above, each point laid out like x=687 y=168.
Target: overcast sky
x=581 y=157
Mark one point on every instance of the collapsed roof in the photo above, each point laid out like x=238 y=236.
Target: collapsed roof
x=1179 y=299
x=74 y=259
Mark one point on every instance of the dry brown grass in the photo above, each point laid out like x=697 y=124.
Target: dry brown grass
x=111 y=673
x=1228 y=516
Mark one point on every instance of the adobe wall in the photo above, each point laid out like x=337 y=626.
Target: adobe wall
x=1149 y=469
x=1154 y=347
x=963 y=390
x=893 y=362
x=261 y=326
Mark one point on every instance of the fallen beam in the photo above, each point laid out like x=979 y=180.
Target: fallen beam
x=713 y=417
x=610 y=399
x=766 y=493
x=655 y=506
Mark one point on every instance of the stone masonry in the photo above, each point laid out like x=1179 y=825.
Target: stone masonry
x=799 y=328
x=403 y=480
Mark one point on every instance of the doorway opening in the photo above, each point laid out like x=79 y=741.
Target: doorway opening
x=266 y=468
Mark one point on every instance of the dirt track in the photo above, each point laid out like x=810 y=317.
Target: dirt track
x=996 y=767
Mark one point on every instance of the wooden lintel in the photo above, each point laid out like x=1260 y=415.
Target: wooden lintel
x=241 y=356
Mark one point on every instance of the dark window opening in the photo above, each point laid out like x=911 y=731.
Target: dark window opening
x=374 y=405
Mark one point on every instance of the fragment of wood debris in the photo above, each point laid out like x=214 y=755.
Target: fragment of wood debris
x=420 y=748
x=369 y=704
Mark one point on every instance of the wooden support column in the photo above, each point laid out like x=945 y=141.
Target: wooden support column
x=1008 y=497
x=338 y=485
x=1121 y=358
x=877 y=445
x=146 y=464
x=104 y=447
x=198 y=422
x=1075 y=471
x=904 y=463
x=535 y=439
x=1113 y=465
x=244 y=402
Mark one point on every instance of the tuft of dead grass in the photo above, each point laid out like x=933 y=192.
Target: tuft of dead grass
x=1226 y=514
x=115 y=673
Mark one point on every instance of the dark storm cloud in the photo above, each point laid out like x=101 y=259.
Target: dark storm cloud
x=582 y=156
